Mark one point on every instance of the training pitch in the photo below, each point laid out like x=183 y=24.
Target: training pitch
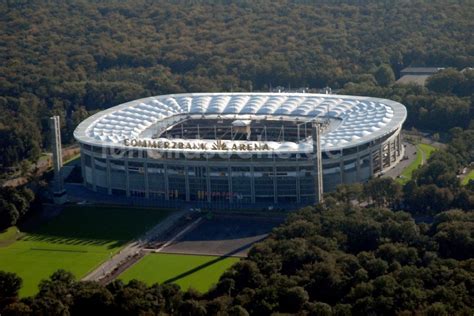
x=198 y=272
x=77 y=240
x=199 y=257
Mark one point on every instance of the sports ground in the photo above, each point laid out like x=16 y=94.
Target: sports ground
x=199 y=257
x=80 y=238
x=188 y=271
x=77 y=240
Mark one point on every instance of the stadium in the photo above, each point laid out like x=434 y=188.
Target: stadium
x=239 y=149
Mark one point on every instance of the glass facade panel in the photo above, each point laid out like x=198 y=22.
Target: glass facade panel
x=197 y=183
x=100 y=164
x=263 y=182
x=156 y=180
x=88 y=160
x=286 y=181
x=350 y=165
x=136 y=176
x=176 y=183
x=349 y=151
x=219 y=177
x=306 y=181
x=117 y=174
x=100 y=178
x=101 y=151
x=350 y=171
x=241 y=184
x=331 y=181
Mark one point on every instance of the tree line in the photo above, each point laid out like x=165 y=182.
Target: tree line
x=332 y=259
x=15 y=203
x=446 y=102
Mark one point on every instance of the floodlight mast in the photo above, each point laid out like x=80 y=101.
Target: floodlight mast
x=318 y=165
x=59 y=194
x=317 y=125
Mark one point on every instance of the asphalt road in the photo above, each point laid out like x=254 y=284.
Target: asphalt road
x=410 y=153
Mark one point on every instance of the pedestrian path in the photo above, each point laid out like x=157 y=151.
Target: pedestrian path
x=133 y=248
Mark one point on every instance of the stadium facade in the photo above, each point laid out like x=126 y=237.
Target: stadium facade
x=239 y=149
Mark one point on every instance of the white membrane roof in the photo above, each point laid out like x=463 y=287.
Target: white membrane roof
x=362 y=118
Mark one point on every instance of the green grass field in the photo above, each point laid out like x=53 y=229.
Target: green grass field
x=77 y=240
x=9 y=234
x=198 y=272
x=427 y=149
x=423 y=150
x=468 y=177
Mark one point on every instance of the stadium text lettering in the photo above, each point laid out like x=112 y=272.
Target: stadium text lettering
x=217 y=145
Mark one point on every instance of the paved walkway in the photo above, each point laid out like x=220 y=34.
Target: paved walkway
x=133 y=248
x=423 y=156
x=410 y=153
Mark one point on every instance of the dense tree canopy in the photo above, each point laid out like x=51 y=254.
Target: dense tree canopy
x=14 y=204
x=434 y=110
x=74 y=58
x=329 y=260
x=349 y=255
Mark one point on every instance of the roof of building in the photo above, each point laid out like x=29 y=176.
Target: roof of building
x=360 y=118
x=417 y=79
x=421 y=70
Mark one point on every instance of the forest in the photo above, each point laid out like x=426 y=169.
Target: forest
x=368 y=249
x=74 y=58
x=335 y=259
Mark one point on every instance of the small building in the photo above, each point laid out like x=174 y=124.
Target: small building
x=417 y=75
x=419 y=71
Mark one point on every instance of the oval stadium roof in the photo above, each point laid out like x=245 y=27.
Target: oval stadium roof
x=361 y=118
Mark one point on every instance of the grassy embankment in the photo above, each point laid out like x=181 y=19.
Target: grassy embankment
x=423 y=153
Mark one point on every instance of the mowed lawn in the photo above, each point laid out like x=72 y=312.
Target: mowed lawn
x=468 y=177
x=77 y=240
x=427 y=149
x=423 y=152
x=9 y=234
x=198 y=272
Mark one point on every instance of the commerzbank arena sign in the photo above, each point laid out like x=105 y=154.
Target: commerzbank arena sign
x=193 y=145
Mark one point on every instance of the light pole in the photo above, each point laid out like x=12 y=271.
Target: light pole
x=318 y=164
x=59 y=194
